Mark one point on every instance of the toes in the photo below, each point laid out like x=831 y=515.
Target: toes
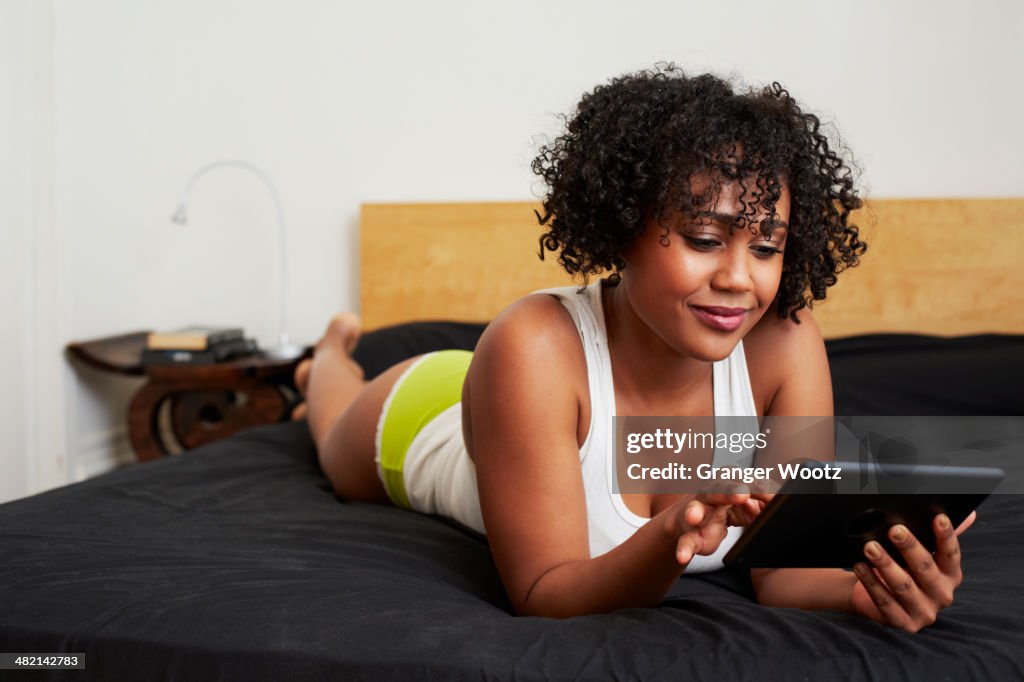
x=346 y=329
x=302 y=375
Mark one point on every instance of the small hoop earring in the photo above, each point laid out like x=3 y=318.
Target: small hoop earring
x=663 y=240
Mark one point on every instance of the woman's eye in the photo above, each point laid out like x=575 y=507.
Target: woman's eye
x=710 y=243
x=702 y=243
x=766 y=251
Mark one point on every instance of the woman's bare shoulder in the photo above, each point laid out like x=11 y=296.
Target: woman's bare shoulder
x=786 y=360
x=535 y=326
x=783 y=334
x=530 y=355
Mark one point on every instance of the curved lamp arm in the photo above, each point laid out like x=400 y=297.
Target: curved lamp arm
x=180 y=217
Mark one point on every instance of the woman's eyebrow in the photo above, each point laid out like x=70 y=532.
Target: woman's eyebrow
x=728 y=219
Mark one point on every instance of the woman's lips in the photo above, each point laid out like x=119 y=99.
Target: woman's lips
x=721 y=318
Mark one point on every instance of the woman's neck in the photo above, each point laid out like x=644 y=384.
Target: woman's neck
x=647 y=370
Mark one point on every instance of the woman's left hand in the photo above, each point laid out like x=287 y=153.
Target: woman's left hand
x=910 y=598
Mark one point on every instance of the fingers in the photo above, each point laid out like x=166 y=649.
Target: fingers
x=705 y=541
x=724 y=498
x=687 y=546
x=887 y=605
x=735 y=509
x=732 y=509
x=744 y=514
x=700 y=513
x=703 y=537
x=936 y=584
x=694 y=513
x=911 y=598
x=707 y=527
x=898 y=599
x=967 y=523
x=947 y=548
x=899 y=582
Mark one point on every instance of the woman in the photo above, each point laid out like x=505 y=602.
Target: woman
x=719 y=216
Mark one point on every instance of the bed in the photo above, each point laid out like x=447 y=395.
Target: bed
x=236 y=562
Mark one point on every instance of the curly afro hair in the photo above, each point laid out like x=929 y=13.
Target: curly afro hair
x=629 y=152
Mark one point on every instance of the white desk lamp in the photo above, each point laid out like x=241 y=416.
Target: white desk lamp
x=285 y=348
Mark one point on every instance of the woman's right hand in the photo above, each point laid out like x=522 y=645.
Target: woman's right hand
x=703 y=521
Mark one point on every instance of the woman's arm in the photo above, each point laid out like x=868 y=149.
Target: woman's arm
x=804 y=588
x=523 y=405
x=788 y=365
x=636 y=573
x=880 y=589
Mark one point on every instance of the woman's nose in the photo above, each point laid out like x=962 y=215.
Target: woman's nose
x=733 y=272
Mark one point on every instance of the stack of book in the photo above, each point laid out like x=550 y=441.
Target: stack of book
x=196 y=346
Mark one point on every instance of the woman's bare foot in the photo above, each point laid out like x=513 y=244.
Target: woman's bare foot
x=343 y=331
x=302 y=383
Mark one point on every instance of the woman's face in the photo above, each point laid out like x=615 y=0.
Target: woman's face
x=707 y=288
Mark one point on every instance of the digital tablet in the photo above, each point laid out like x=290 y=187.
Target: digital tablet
x=821 y=522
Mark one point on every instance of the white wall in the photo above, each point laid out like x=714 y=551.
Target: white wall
x=344 y=102
x=33 y=316
x=16 y=256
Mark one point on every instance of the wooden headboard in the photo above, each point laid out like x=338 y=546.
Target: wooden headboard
x=945 y=266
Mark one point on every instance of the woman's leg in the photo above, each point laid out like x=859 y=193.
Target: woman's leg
x=343 y=410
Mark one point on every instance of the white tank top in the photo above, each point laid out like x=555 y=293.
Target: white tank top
x=609 y=521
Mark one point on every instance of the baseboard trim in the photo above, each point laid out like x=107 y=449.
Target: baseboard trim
x=102 y=451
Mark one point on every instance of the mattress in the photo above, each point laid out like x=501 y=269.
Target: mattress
x=236 y=561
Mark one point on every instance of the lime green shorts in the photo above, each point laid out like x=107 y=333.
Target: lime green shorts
x=429 y=387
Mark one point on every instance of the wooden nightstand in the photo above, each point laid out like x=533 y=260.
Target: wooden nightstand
x=184 y=406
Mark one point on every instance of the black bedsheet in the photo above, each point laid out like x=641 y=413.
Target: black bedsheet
x=236 y=562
